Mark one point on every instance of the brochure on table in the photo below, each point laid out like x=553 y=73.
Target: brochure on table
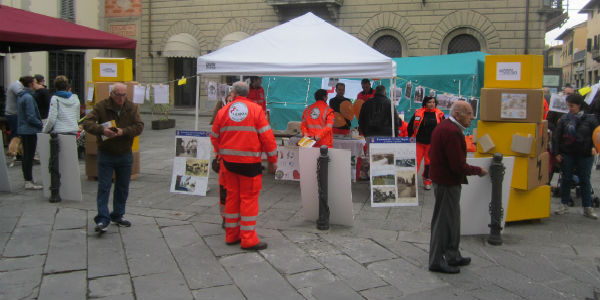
x=393 y=171
x=191 y=162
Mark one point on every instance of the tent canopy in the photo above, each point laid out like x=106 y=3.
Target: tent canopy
x=24 y=31
x=306 y=46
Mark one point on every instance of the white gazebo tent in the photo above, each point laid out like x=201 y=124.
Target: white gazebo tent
x=306 y=46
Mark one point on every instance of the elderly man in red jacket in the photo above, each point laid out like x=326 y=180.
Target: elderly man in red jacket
x=449 y=169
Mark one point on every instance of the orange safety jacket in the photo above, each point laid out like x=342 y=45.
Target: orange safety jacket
x=317 y=121
x=420 y=113
x=241 y=133
x=258 y=96
x=403 y=129
x=546 y=109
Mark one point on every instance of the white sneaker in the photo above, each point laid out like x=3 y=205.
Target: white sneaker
x=562 y=209
x=588 y=212
x=30 y=185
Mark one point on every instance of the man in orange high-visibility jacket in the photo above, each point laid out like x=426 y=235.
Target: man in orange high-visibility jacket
x=317 y=121
x=239 y=135
x=421 y=126
x=256 y=93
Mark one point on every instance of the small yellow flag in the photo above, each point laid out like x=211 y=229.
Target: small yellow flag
x=584 y=90
x=182 y=81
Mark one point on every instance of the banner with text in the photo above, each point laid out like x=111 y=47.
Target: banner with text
x=191 y=162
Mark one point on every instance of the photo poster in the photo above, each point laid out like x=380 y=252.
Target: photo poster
x=513 y=106
x=393 y=171
x=419 y=94
x=191 y=165
x=446 y=100
x=288 y=163
x=212 y=89
x=558 y=103
x=475 y=106
x=408 y=90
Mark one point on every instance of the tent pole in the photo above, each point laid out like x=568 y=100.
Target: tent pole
x=197 y=99
x=392 y=95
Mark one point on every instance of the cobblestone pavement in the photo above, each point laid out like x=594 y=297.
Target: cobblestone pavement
x=176 y=250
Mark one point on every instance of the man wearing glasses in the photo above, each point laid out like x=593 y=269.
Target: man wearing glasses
x=115 y=122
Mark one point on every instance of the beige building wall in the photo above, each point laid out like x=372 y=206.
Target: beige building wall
x=422 y=27
x=593 y=66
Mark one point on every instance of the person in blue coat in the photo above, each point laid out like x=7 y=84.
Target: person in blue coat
x=29 y=124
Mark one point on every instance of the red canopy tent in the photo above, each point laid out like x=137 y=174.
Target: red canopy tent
x=24 y=31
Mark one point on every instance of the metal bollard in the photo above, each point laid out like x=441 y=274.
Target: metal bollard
x=322 y=162
x=496 y=210
x=53 y=169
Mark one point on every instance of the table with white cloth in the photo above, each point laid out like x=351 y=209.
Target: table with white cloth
x=288 y=156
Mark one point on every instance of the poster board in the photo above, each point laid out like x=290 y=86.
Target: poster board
x=476 y=196
x=68 y=166
x=288 y=163
x=558 y=103
x=4 y=182
x=393 y=171
x=339 y=192
x=191 y=163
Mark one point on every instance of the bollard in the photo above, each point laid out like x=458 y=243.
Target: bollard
x=496 y=210
x=322 y=162
x=53 y=169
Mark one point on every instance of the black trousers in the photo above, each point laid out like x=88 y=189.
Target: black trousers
x=445 y=225
x=29 y=143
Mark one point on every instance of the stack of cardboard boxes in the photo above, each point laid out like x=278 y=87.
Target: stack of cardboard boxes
x=511 y=123
x=105 y=72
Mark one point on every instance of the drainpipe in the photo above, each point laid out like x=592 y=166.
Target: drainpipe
x=526 y=27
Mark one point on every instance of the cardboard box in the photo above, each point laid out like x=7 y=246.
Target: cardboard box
x=91 y=144
x=514 y=71
x=91 y=165
x=512 y=105
x=486 y=143
x=528 y=205
x=112 y=69
x=102 y=90
x=530 y=172
x=502 y=135
x=135 y=168
x=521 y=144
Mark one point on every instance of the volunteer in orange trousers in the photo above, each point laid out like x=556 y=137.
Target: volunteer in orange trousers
x=317 y=121
x=421 y=126
x=240 y=134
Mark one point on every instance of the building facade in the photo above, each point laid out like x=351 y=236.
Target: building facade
x=592 y=9
x=573 y=55
x=173 y=33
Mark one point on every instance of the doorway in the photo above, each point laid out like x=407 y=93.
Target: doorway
x=184 y=95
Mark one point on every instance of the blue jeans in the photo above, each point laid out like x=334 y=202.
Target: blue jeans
x=121 y=165
x=13 y=123
x=582 y=167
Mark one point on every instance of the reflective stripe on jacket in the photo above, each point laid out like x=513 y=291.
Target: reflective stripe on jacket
x=241 y=133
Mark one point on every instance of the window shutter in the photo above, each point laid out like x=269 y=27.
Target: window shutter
x=67 y=10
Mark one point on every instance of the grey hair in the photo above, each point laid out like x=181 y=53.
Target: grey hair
x=457 y=107
x=241 y=88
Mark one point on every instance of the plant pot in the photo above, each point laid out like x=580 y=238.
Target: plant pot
x=163 y=124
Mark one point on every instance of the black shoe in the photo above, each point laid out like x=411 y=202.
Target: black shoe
x=444 y=268
x=259 y=246
x=101 y=227
x=121 y=222
x=463 y=261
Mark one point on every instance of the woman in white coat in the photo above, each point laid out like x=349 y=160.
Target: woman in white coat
x=63 y=114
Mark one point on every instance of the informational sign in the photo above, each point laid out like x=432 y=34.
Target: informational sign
x=161 y=94
x=558 y=103
x=513 y=106
x=90 y=92
x=108 y=70
x=191 y=163
x=139 y=91
x=508 y=71
x=551 y=80
x=393 y=171
x=288 y=163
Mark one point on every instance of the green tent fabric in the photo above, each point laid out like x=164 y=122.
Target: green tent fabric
x=287 y=96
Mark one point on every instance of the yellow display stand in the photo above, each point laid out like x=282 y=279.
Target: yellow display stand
x=501 y=134
x=528 y=205
x=112 y=69
x=514 y=71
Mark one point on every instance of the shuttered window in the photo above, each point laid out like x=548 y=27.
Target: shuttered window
x=389 y=46
x=67 y=10
x=463 y=43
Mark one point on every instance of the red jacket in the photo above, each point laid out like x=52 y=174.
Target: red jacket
x=317 y=121
x=241 y=133
x=448 y=155
x=420 y=113
x=258 y=96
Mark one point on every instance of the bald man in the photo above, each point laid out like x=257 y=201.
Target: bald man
x=114 y=152
x=448 y=170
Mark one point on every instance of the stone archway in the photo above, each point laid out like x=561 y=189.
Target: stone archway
x=389 y=23
x=464 y=22
x=185 y=26
x=231 y=28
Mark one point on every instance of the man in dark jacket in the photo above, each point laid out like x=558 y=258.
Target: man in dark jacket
x=30 y=124
x=115 y=122
x=449 y=168
x=42 y=96
x=375 y=117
